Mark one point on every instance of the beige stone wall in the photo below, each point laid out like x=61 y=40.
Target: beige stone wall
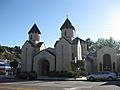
x=34 y=37
x=44 y=55
x=103 y=51
x=76 y=50
x=118 y=63
x=27 y=54
x=79 y=51
x=63 y=52
x=69 y=33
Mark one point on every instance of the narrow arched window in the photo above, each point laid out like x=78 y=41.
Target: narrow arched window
x=100 y=66
x=114 y=66
x=65 y=33
x=107 y=64
x=31 y=37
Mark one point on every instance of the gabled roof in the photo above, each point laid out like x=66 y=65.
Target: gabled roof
x=31 y=43
x=67 y=24
x=39 y=44
x=50 y=52
x=46 y=50
x=75 y=41
x=34 y=29
x=56 y=43
x=64 y=39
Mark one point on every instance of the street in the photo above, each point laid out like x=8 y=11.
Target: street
x=12 y=84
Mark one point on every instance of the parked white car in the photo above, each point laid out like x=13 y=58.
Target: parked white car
x=105 y=75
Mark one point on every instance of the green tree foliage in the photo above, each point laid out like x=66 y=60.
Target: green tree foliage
x=14 y=63
x=94 y=46
x=81 y=64
x=10 y=52
x=7 y=55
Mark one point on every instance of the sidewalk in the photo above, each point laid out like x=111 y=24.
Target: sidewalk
x=61 y=78
x=6 y=76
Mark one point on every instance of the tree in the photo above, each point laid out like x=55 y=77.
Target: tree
x=7 y=55
x=100 y=43
x=10 y=53
x=14 y=63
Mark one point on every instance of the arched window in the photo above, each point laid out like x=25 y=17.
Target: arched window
x=31 y=37
x=100 y=66
x=106 y=62
x=65 y=33
x=113 y=66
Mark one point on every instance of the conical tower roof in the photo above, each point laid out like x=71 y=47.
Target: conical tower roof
x=67 y=24
x=34 y=29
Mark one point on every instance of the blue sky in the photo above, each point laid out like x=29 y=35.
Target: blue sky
x=91 y=18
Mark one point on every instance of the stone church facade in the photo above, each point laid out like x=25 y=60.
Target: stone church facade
x=108 y=60
x=68 y=49
x=36 y=57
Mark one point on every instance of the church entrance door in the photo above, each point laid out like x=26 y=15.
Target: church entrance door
x=107 y=62
x=45 y=67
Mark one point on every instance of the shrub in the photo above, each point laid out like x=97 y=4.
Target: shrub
x=69 y=74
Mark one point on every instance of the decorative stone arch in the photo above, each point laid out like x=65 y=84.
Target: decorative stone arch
x=44 y=62
x=107 y=66
x=109 y=55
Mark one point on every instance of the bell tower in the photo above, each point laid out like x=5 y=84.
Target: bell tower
x=34 y=34
x=67 y=30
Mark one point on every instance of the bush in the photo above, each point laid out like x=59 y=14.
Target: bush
x=69 y=74
x=27 y=75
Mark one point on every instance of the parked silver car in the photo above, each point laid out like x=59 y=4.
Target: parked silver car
x=105 y=75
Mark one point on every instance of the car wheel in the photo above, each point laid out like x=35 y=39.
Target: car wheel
x=109 y=78
x=91 y=79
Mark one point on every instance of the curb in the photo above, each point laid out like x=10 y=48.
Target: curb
x=62 y=79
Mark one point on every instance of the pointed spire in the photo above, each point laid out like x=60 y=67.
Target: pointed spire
x=67 y=24
x=34 y=29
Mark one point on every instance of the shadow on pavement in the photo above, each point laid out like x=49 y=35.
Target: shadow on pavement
x=10 y=80
x=116 y=83
x=6 y=80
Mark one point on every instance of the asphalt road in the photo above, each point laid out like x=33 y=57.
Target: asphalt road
x=12 y=84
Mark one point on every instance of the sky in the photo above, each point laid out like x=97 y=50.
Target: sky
x=91 y=18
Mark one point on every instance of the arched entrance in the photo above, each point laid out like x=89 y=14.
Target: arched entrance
x=107 y=62
x=45 y=67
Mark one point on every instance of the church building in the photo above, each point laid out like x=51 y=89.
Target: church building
x=68 y=49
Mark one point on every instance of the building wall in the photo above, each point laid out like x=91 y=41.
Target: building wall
x=109 y=51
x=79 y=51
x=44 y=55
x=34 y=37
x=63 y=51
x=27 y=56
x=67 y=33
x=76 y=51
x=118 y=63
